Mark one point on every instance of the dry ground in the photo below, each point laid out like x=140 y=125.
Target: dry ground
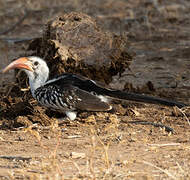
x=101 y=145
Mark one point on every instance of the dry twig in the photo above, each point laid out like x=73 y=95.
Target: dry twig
x=11 y=28
x=17 y=40
x=167 y=128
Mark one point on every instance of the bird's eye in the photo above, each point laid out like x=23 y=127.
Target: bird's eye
x=36 y=63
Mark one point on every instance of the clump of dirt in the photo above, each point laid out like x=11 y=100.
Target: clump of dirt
x=19 y=112
x=75 y=43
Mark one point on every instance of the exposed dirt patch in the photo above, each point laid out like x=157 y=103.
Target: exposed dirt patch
x=101 y=145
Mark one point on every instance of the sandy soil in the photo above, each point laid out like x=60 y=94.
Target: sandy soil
x=101 y=145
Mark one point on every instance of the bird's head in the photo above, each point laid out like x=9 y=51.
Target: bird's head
x=35 y=67
x=32 y=63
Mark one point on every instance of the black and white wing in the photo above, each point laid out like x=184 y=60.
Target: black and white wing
x=69 y=92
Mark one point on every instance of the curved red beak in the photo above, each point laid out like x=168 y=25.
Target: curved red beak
x=21 y=63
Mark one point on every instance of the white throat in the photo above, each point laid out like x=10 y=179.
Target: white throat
x=37 y=80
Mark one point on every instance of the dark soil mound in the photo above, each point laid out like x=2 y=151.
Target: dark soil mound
x=74 y=43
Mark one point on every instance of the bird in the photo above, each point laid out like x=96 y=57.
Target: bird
x=71 y=93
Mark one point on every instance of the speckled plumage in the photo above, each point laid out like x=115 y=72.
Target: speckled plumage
x=71 y=92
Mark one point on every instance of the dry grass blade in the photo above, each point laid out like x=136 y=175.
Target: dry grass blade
x=164 y=171
x=183 y=112
x=169 y=144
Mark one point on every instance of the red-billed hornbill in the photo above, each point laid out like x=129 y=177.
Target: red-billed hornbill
x=70 y=93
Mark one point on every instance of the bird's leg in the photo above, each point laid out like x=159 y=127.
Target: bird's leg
x=71 y=115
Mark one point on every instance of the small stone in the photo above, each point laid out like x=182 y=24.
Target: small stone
x=76 y=155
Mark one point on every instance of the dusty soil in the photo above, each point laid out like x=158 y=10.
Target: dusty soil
x=101 y=145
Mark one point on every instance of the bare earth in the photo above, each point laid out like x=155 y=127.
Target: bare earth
x=101 y=145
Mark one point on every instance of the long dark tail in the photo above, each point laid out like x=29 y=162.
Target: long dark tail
x=142 y=98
